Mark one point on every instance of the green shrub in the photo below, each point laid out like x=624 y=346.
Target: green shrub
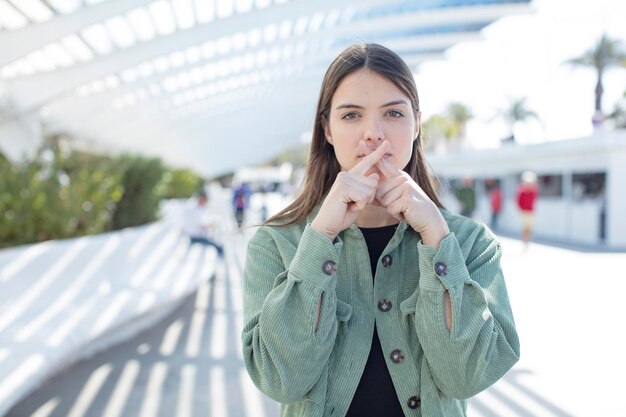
x=93 y=190
x=66 y=194
x=182 y=183
x=144 y=187
x=57 y=196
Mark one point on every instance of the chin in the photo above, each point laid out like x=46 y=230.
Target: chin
x=396 y=164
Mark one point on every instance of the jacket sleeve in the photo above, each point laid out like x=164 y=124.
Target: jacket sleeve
x=290 y=321
x=482 y=344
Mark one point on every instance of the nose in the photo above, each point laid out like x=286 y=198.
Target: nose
x=374 y=132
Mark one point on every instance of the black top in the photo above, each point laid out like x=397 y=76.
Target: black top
x=375 y=396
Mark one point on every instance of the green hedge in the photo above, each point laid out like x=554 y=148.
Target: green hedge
x=181 y=183
x=143 y=189
x=60 y=195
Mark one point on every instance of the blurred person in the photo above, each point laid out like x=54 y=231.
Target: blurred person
x=198 y=227
x=526 y=196
x=241 y=199
x=466 y=194
x=266 y=189
x=495 y=200
x=365 y=297
x=263 y=210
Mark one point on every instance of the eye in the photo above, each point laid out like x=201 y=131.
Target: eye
x=395 y=114
x=350 y=116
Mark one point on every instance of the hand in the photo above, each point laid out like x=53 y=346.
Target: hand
x=351 y=192
x=404 y=199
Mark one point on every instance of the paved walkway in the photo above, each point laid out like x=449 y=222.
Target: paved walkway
x=568 y=307
x=189 y=365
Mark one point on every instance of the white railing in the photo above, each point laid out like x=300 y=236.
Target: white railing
x=62 y=301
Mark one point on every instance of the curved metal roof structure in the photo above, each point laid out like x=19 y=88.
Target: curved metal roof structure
x=208 y=84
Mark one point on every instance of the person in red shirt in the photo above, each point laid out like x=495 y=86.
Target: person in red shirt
x=526 y=196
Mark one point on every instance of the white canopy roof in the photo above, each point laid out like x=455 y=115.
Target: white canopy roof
x=208 y=84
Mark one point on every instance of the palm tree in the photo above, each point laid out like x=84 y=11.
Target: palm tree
x=605 y=54
x=459 y=114
x=448 y=129
x=517 y=112
x=436 y=131
x=618 y=115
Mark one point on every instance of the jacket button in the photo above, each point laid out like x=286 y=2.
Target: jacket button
x=441 y=269
x=384 y=305
x=387 y=261
x=329 y=268
x=397 y=356
x=414 y=402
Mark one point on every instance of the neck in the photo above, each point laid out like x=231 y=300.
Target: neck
x=375 y=216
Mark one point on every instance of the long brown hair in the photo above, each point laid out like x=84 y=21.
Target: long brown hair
x=323 y=166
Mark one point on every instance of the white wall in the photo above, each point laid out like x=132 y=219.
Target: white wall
x=584 y=222
x=616 y=199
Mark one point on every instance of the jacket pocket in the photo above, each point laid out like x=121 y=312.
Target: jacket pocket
x=344 y=311
x=407 y=307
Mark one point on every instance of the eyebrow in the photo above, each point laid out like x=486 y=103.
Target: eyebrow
x=356 y=106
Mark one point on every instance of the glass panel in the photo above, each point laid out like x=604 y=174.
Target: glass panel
x=34 y=9
x=120 y=32
x=11 y=18
x=40 y=61
x=588 y=185
x=225 y=8
x=205 y=10
x=163 y=17
x=98 y=38
x=65 y=6
x=185 y=16
x=141 y=24
x=77 y=48
x=59 y=55
x=243 y=6
x=550 y=185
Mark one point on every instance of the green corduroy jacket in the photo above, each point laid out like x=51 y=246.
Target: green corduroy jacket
x=310 y=308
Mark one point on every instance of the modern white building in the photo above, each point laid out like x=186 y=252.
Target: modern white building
x=581 y=186
x=198 y=83
x=266 y=175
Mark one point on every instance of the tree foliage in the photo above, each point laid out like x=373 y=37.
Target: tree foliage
x=144 y=187
x=62 y=194
x=181 y=183
x=606 y=53
x=516 y=112
x=449 y=127
x=459 y=114
x=618 y=115
x=57 y=196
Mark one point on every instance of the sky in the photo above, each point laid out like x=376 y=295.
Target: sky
x=523 y=56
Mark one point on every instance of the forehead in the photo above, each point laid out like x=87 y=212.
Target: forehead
x=368 y=85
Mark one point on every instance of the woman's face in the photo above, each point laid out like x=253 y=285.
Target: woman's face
x=368 y=107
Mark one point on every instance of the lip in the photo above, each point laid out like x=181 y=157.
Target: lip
x=385 y=156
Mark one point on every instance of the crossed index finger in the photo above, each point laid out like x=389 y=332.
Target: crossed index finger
x=370 y=160
x=388 y=169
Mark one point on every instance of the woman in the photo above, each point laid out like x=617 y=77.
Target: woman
x=526 y=197
x=365 y=297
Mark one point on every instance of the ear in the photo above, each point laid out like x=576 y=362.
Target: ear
x=418 y=124
x=329 y=138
